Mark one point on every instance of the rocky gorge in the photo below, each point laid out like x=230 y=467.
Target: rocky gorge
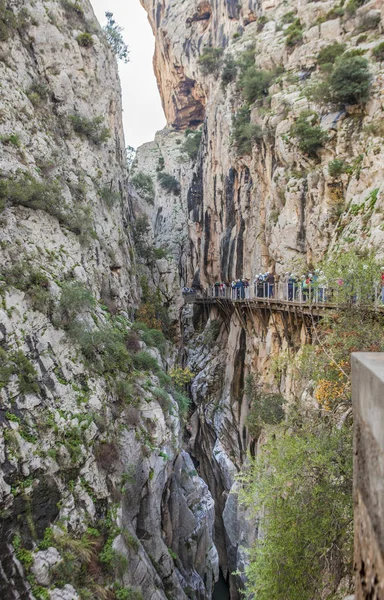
x=112 y=485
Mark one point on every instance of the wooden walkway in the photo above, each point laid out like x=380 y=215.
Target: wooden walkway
x=287 y=306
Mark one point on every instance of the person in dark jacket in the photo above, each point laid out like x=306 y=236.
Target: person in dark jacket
x=271 y=285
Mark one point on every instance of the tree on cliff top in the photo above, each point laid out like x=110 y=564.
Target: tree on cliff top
x=113 y=33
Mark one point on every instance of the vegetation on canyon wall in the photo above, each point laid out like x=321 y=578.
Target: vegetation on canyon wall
x=299 y=486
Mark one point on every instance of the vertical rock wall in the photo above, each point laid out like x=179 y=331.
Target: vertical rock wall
x=274 y=208
x=97 y=497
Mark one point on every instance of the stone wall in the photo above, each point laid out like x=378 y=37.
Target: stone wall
x=368 y=393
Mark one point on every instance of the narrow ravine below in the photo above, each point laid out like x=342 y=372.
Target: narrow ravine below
x=221 y=590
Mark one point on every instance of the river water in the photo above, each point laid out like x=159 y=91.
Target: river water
x=221 y=591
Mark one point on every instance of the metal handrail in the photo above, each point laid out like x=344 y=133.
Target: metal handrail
x=294 y=293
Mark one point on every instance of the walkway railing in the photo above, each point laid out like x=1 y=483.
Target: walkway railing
x=289 y=292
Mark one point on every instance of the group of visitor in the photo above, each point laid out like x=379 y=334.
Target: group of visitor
x=309 y=287
x=264 y=286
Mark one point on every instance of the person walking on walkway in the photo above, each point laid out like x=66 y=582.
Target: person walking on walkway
x=291 y=287
x=271 y=285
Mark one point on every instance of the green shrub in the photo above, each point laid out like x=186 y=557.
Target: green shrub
x=183 y=402
x=46 y=195
x=85 y=39
x=245 y=133
x=113 y=33
x=169 y=183
x=378 y=52
x=310 y=136
x=289 y=17
x=254 y=83
x=328 y=55
x=110 y=197
x=151 y=337
x=8 y=21
x=247 y=58
x=12 y=139
x=143 y=361
x=165 y=380
x=334 y=13
x=144 y=185
x=361 y=39
x=92 y=129
x=302 y=481
x=350 y=80
x=104 y=348
x=37 y=92
x=353 y=5
x=337 y=167
x=75 y=299
x=154 y=338
x=210 y=60
x=261 y=22
x=229 y=72
x=294 y=34
x=124 y=593
x=163 y=398
x=31 y=280
x=16 y=363
x=27 y=191
x=191 y=145
x=124 y=391
x=72 y=7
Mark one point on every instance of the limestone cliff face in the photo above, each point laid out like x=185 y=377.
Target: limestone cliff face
x=96 y=494
x=275 y=207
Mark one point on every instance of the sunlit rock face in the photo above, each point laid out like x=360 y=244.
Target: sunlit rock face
x=273 y=207
x=276 y=207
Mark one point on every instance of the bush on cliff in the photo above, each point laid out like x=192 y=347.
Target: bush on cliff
x=210 y=60
x=144 y=185
x=254 y=83
x=265 y=407
x=294 y=34
x=378 y=52
x=31 y=280
x=92 y=129
x=27 y=191
x=191 y=145
x=350 y=80
x=145 y=250
x=302 y=481
x=229 y=71
x=309 y=135
x=245 y=133
x=328 y=55
x=8 y=21
x=169 y=183
x=85 y=40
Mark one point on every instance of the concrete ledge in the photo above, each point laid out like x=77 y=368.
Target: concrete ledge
x=368 y=406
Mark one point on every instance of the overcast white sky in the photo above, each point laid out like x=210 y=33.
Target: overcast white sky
x=143 y=113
